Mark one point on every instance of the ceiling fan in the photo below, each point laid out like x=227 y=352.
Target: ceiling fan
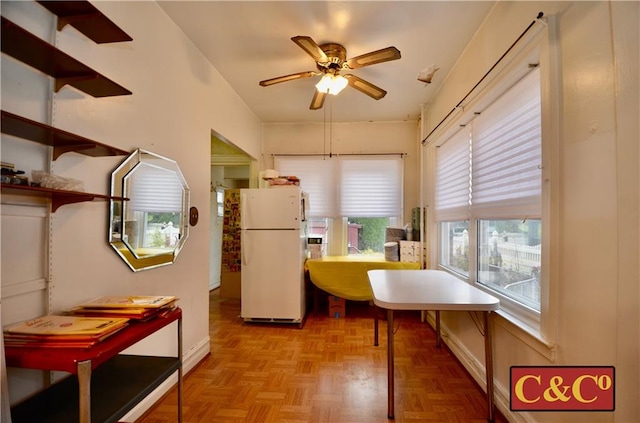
x=331 y=58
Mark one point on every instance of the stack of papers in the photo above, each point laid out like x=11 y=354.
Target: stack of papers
x=132 y=307
x=62 y=331
x=87 y=324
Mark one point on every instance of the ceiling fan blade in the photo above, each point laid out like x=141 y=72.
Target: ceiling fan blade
x=311 y=47
x=365 y=87
x=318 y=100
x=285 y=78
x=378 y=56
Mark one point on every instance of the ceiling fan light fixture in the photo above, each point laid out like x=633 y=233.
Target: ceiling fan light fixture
x=331 y=84
x=331 y=58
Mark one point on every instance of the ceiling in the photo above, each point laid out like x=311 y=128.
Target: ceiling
x=250 y=41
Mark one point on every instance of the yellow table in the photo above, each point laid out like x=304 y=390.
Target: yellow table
x=346 y=276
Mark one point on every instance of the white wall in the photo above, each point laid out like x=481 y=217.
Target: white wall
x=595 y=296
x=350 y=138
x=178 y=99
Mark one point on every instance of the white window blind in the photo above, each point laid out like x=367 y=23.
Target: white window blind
x=370 y=186
x=453 y=173
x=317 y=178
x=507 y=153
x=154 y=189
x=348 y=186
x=500 y=173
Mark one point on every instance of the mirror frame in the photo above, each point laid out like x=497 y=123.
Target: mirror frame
x=148 y=258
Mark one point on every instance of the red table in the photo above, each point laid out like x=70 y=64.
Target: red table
x=124 y=379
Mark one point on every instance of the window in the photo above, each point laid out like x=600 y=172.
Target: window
x=220 y=202
x=488 y=195
x=509 y=258
x=352 y=199
x=154 y=215
x=366 y=235
x=370 y=196
x=454 y=247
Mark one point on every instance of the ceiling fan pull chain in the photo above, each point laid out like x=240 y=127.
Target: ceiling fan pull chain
x=330 y=126
x=324 y=134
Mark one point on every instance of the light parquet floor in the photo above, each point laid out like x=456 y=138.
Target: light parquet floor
x=327 y=372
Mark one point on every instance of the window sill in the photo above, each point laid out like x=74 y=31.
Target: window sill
x=511 y=320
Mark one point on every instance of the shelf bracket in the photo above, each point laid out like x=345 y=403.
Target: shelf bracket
x=59 y=200
x=61 y=82
x=59 y=150
x=71 y=19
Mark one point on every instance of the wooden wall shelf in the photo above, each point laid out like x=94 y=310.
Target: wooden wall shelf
x=84 y=17
x=35 y=52
x=61 y=141
x=58 y=197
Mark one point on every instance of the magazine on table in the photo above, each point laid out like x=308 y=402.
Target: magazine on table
x=61 y=326
x=130 y=301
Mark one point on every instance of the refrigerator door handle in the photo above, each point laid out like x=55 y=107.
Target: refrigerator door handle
x=243 y=212
x=243 y=256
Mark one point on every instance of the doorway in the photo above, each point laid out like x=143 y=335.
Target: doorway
x=231 y=168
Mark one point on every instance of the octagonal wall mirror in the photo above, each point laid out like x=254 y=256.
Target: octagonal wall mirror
x=150 y=224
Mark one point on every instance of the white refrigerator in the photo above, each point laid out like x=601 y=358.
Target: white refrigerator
x=274 y=241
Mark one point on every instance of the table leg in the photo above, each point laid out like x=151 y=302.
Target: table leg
x=315 y=300
x=375 y=325
x=390 y=361
x=438 y=337
x=180 y=370
x=488 y=351
x=84 y=390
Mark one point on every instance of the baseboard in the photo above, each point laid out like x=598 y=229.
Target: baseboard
x=478 y=372
x=189 y=361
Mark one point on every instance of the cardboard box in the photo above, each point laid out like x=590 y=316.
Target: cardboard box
x=409 y=251
x=230 y=286
x=337 y=307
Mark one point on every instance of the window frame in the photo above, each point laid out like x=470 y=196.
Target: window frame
x=542 y=44
x=338 y=224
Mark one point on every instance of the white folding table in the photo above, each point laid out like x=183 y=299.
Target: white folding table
x=430 y=290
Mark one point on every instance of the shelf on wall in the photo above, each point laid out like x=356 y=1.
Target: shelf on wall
x=35 y=52
x=84 y=17
x=58 y=197
x=61 y=141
